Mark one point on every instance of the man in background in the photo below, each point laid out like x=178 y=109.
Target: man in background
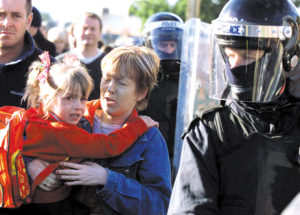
x=163 y=33
x=17 y=50
x=87 y=31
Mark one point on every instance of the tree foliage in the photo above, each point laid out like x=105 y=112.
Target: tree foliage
x=145 y=8
x=297 y=3
x=209 y=9
x=180 y=8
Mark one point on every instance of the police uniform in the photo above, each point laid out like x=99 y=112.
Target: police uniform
x=162 y=105
x=243 y=157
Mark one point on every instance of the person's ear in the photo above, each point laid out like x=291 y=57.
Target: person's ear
x=29 y=20
x=142 y=95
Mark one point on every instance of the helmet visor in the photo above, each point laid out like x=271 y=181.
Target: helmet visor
x=251 y=68
x=165 y=38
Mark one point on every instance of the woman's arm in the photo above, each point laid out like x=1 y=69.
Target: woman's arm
x=149 y=194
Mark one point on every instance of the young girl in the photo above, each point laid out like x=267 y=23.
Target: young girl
x=56 y=97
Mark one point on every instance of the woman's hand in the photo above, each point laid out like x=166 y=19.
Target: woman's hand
x=35 y=167
x=86 y=173
x=149 y=121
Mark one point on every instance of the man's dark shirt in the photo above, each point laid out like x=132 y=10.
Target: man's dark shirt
x=13 y=75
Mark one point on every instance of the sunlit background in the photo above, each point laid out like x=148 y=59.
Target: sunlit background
x=121 y=22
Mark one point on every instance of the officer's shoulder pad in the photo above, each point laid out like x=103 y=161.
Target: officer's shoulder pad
x=209 y=110
x=201 y=115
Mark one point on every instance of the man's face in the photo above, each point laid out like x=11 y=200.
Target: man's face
x=87 y=32
x=14 y=21
x=167 y=46
x=241 y=57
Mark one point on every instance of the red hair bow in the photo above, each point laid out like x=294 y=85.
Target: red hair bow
x=45 y=59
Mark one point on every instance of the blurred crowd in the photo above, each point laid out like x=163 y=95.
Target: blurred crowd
x=60 y=38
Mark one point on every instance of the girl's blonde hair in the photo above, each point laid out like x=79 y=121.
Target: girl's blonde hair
x=63 y=77
x=140 y=64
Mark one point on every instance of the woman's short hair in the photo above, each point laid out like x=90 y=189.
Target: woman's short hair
x=140 y=64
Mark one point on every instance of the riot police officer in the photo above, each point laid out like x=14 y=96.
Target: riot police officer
x=242 y=157
x=163 y=33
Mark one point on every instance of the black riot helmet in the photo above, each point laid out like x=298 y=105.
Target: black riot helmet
x=163 y=33
x=259 y=42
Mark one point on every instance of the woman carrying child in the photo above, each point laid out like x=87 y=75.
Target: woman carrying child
x=57 y=129
x=139 y=180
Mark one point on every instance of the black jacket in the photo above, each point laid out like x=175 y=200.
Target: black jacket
x=162 y=103
x=13 y=74
x=239 y=160
x=44 y=44
x=95 y=71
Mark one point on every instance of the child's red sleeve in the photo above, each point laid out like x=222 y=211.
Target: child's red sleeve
x=79 y=143
x=59 y=140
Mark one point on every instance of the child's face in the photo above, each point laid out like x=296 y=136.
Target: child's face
x=69 y=107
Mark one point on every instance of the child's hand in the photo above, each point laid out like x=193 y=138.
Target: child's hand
x=35 y=167
x=149 y=121
x=50 y=183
